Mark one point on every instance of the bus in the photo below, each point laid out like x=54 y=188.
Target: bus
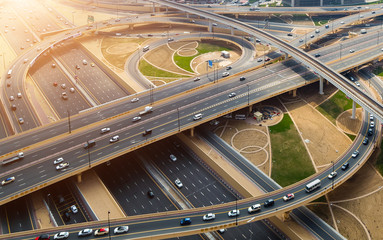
x=313 y=185
x=9 y=73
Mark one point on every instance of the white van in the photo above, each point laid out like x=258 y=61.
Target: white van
x=197 y=116
x=146 y=48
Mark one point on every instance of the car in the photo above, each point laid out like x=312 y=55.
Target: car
x=345 y=166
x=7 y=180
x=21 y=120
x=135 y=100
x=371 y=117
x=11 y=98
x=170 y=39
x=19 y=95
x=242 y=79
x=64 y=95
x=178 y=183
x=311 y=36
x=326 y=26
x=288 y=197
x=185 y=221
x=62 y=166
x=74 y=209
x=361 y=16
x=117 y=20
x=85 y=232
x=147 y=132
x=77 y=67
x=373 y=12
x=259 y=60
x=43 y=237
x=228 y=67
x=257 y=40
x=214 y=24
x=63 y=86
x=225 y=74
x=370 y=132
x=114 y=139
x=53 y=65
x=25 y=60
x=300 y=40
x=357 y=84
x=290 y=34
x=342 y=22
x=54 y=84
x=92 y=65
x=352 y=50
x=254 y=208
x=196 y=79
x=332 y=175
x=105 y=130
x=192 y=21
x=197 y=116
x=13 y=107
x=317 y=55
x=173 y=158
x=135 y=119
x=267 y=59
x=233 y=94
x=365 y=141
x=71 y=90
x=372 y=124
x=150 y=194
x=355 y=154
x=233 y=213
x=101 y=231
x=121 y=229
x=58 y=160
x=222 y=230
x=208 y=217
x=61 y=235
x=268 y=203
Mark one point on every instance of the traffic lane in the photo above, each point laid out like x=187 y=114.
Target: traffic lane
x=53 y=82
x=18 y=215
x=3 y=129
x=199 y=185
x=129 y=183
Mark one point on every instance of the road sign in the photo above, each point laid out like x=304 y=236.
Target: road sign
x=210 y=63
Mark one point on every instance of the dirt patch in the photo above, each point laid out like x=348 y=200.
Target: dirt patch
x=122 y=47
x=349 y=125
x=324 y=141
x=311 y=96
x=187 y=52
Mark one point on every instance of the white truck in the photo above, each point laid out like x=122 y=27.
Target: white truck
x=19 y=156
x=148 y=109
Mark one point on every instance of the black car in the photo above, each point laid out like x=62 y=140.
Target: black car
x=370 y=132
x=228 y=67
x=365 y=141
x=317 y=55
x=345 y=166
x=150 y=194
x=269 y=203
x=242 y=79
x=290 y=34
x=66 y=216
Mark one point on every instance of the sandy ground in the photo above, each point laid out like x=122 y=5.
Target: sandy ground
x=40 y=210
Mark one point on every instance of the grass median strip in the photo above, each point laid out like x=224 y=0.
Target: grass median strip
x=291 y=162
x=149 y=70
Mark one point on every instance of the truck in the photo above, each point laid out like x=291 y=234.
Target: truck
x=148 y=109
x=19 y=156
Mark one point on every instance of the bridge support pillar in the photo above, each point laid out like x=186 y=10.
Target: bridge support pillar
x=192 y=132
x=341 y=2
x=293 y=3
x=236 y=16
x=285 y=56
x=250 y=108
x=286 y=216
x=294 y=92
x=353 y=109
x=321 y=3
x=154 y=7
x=166 y=9
x=210 y=27
x=187 y=15
x=79 y=178
x=131 y=26
x=232 y=31
x=321 y=85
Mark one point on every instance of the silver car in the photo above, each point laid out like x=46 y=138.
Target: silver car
x=121 y=229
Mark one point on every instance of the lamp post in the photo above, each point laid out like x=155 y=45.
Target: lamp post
x=109 y=225
x=49 y=208
x=179 y=125
x=248 y=94
x=69 y=120
x=88 y=153
x=236 y=210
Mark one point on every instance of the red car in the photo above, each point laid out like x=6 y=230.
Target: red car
x=43 y=237
x=101 y=231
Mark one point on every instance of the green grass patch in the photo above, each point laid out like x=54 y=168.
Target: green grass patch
x=149 y=70
x=335 y=106
x=184 y=62
x=378 y=71
x=118 y=60
x=291 y=162
x=351 y=136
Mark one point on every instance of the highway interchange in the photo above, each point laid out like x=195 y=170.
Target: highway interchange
x=183 y=120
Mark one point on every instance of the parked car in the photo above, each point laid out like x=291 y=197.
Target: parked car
x=74 y=209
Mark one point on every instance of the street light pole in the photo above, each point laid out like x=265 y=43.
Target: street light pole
x=332 y=171
x=109 y=225
x=88 y=153
x=179 y=125
x=248 y=93
x=69 y=120
x=236 y=210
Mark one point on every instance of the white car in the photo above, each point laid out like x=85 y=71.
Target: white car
x=74 y=209
x=11 y=98
x=135 y=119
x=288 y=197
x=58 y=160
x=259 y=60
x=85 y=232
x=233 y=213
x=121 y=229
x=254 y=208
x=214 y=24
x=114 y=139
x=61 y=235
x=233 y=94
x=62 y=166
x=223 y=230
x=371 y=117
x=21 y=120
x=372 y=124
x=208 y=217
x=355 y=154
x=197 y=79
x=332 y=175
x=225 y=74
x=135 y=100
x=178 y=183
x=173 y=158
x=19 y=95
x=105 y=130
x=63 y=86
x=71 y=90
